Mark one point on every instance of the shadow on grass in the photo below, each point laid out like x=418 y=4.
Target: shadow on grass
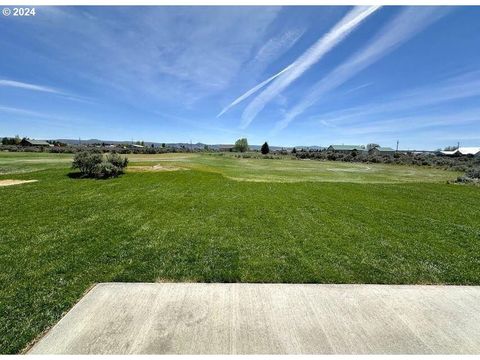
x=78 y=175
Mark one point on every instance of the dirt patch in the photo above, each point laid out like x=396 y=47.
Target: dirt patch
x=15 y=182
x=353 y=170
x=157 y=167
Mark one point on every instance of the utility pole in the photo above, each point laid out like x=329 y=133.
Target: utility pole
x=397 y=147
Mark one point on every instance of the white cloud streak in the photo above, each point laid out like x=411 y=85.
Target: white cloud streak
x=252 y=91
x=301 y=64
x=44 y=118
x=44 y=89
x=28 y=86
x=310 y=57
x=406 y=25
x=22 y=112
x=455 y=88
x=276 y=46
x=409 y=123
x=175 y=55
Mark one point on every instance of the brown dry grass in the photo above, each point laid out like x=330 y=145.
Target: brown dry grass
x=15 y=182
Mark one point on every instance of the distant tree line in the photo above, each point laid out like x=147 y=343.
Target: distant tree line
x=11 y=141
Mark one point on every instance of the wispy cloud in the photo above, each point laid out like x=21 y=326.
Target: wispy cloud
x=456 y=88
x=28 y=86
x=23 y=112
x=252 y=91
x=173 y=55
x=301 y=64
x=356 y=88
x=406 y=25
x=416 y=122
x=307 y=60
x=276 y=46
x=44 y=89
x=43 y=117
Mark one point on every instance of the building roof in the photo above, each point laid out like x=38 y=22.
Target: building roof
x=471 y=150
x=347 y=147
x=38 y=142
x=381 y=148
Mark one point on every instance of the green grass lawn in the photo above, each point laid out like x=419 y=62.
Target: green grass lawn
x=223 y=219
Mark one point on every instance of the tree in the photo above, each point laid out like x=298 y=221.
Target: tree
x=265 y=149
x=372 y=146
x=294 y=151
x=11 y=141
x=241 y=145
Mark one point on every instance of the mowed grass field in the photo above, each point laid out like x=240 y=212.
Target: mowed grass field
x=211 y=218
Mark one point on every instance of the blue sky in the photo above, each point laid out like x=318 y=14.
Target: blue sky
x=286 y=75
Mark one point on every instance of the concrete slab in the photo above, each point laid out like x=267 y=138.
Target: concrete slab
x=179 y=318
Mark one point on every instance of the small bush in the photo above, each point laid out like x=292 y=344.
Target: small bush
x=473 y=173
x=95 y=165
x=117 y=160
x=106 y=170
x=471 y=176
x=87 y=162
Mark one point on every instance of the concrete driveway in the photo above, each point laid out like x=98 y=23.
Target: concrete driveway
x=180 y=318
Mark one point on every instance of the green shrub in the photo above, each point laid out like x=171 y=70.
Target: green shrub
x=95 y=165
x=473 y=173
x=106 y=170
x=471 y=176
x=117 y=160
x=87 y=162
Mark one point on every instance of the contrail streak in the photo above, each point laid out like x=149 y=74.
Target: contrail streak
x=252 y=91
x=310 y=57
x=406 y=25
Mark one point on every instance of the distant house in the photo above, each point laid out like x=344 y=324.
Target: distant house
x=225 y=148
x=27 y=142
x=346 y=148
x=469 y=151
x=136 y=146
x=380 y=150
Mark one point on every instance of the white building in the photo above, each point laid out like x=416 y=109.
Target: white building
x=472 y=151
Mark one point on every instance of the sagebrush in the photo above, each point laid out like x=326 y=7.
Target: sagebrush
x=96 y=165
